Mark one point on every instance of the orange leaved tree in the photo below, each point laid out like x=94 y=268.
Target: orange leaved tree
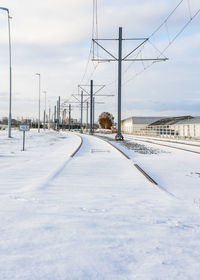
x=106 y=120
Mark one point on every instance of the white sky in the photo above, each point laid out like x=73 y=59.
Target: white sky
x=53 y=38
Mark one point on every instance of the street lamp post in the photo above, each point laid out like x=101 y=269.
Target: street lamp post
x=45 y=105
x=49 y=118
x=10 y=67
x=39 y=77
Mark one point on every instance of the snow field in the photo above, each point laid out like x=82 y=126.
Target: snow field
x=45 y=154
x=174 y=170
x=97 y=218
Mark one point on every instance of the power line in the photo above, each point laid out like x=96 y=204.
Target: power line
x=170 y=40
x=94 y=34
x=87 y=64
x=172 y=12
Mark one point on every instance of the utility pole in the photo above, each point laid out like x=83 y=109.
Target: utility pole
x=58 y=113
x=69 y=117
x=65 y=112
x=57 y=119
x=77 y=101
x=81 y=111
x=44 y=120
x=49 y=118
x=87 y=115
x=120 y=59
x=39 y=80
x=91 y=93
x=91 y=105
x=119 y=135
x=10 y=73
x=55 y=124
x=45 y=105
x=93 y=114
x=52 y=120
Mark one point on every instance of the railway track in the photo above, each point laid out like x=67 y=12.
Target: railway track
x=168 y=141
x=139 y=168
x=148 y=177
x=165 y=145
x=78 y=148
x=57 y=172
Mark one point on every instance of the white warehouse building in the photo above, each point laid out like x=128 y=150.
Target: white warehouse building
x=183 y=127
x=137 y=125
x=188 y=128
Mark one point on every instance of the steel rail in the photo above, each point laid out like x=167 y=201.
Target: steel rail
x=165 y=140
x=78 y=148
x=164 y=145
x=141 y=170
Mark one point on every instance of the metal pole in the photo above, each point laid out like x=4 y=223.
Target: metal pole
x=44 y=120
x=64 y=118
x=23 y=140
x=58 y=113
x=49 y=118
x=54 y=117
x=45 y=100
x=93 y=115
x=10 y=97
x=81 y=111
x=39 y=77
x=69 y=117
x=119 y=136
x=87 y=115
x=57 y=121
x=91 y=100
x=10 y=73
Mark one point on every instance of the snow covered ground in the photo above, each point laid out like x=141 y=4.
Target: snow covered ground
x=176 y=171
x=45 y=154
x=93 y=216
x=166 y=139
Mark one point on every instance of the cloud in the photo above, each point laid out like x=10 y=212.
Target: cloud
x=53 y=38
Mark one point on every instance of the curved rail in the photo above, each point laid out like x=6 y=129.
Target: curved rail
x=61 y=168
x=78 y=148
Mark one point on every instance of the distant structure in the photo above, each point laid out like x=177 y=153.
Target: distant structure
x=188 y=128
x=183 y=126
x=137 y=125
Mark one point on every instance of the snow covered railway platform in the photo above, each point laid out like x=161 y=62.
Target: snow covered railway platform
x=93 y=216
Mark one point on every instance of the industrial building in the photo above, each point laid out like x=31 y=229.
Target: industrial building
x=137 y=125
x=180 y=127
x=188 y=128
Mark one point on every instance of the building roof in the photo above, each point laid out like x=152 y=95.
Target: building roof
x=195 y=120
x=171 y=120
x=142 y=120
x=163 y=121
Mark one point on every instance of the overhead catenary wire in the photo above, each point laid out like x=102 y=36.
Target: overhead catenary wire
x=94 y=34
x=170 y=40
x=150 y=41
x=152 y=34
x=172 y=12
